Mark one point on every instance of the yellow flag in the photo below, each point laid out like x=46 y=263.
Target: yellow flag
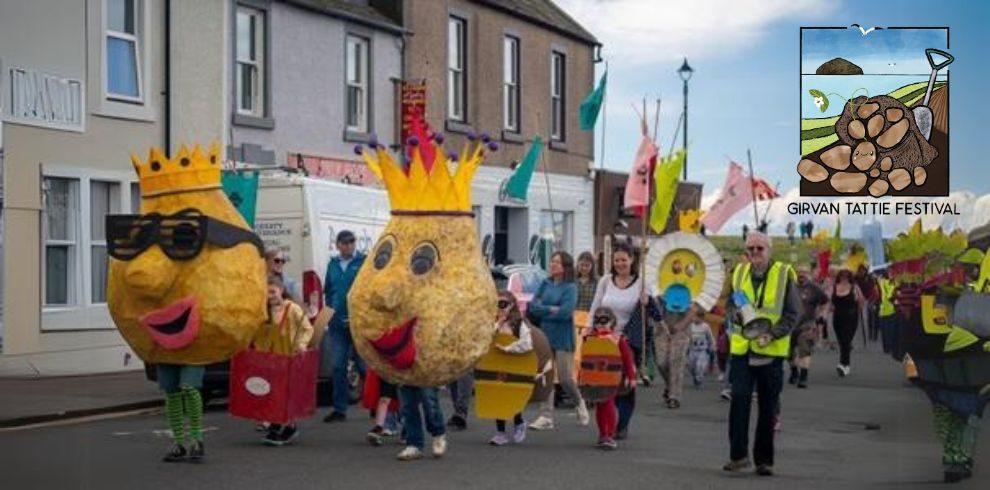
x=665 y=178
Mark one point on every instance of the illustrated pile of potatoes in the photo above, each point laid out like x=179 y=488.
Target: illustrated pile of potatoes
x=881 y=147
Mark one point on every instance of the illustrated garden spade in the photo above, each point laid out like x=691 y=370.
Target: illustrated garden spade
x=923 y=113
x=503 y=382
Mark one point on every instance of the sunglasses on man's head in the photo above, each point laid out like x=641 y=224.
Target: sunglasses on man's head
x=504 y=304
x=181 y=236
x=603 y=320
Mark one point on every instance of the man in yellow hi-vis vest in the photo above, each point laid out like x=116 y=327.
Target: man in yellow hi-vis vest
x=889 y=335
x=765 y=289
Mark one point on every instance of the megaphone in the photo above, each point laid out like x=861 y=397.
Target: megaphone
x=753 y=326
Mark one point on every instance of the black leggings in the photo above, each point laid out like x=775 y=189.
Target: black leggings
x=500 y=424
x=845 y=332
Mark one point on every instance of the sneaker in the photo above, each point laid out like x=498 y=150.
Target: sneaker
x=262 y=427
x=334 y=417
x=849 y=370
x=673 y=404
x=582 y=414
x=519 y=433
x=542 y=423
x=273 y=437
x=388 y=433
x=764 y=470
x=175 y=454
x=608 y=444
x=499 y=439
x=457 y=423
x=647 y=381
x=197 y=452
x=726 y=395
x=737 y=465
x=666 y=394
x=410 y=453
x=376 y=436
x=622 y=433
x=439 y=445
x=289 y=435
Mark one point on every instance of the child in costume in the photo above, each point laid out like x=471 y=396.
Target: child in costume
x=287 y=332
x=510 y=321
x=382 y=398
x=700 y=351
x=606 y=413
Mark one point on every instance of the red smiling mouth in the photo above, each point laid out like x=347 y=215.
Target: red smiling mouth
x=174 y=326
x=398 y=346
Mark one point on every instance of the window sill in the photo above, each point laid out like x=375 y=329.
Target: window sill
x=254 y=122
x=558 y=145
x=356 y=136
x=512 y=137
x=458 y=127
x=113 y=109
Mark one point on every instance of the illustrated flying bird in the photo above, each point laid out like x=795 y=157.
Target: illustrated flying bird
x=866 y=31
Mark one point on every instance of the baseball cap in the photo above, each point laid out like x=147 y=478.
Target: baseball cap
x=345 y=236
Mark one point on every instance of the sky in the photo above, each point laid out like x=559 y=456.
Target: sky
x=744 y=93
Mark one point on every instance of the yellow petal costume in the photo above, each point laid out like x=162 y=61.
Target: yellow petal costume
x=187 y=276
x=422 y=309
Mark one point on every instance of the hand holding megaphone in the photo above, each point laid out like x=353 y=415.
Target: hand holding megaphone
x=753 y=326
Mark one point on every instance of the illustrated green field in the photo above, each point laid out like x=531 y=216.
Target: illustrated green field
x=817 y=133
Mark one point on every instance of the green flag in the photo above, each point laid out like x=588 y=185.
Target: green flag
x=518 y=184
x=242 y=190
x=665 y=178
x=592 y=105
x=836 y=244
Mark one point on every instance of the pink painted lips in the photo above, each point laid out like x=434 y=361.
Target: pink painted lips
x=398 y=346
x=174 y=326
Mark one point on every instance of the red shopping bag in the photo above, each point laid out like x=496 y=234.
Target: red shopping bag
x=273 y=388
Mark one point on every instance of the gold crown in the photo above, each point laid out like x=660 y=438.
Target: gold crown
x=690 y=220
x=422 y=189
x=186 y=171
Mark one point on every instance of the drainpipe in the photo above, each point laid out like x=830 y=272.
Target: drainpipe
x=167 y=93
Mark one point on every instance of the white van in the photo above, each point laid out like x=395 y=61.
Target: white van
x=302 y=216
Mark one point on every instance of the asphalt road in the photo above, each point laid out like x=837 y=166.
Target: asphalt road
x=825 y=443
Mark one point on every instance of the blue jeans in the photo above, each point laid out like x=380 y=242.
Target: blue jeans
x=341 y=350
x=411 y=398
x=460 y=394
x=769 y=381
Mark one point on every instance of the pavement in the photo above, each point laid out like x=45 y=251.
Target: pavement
x=37 y=400
x=865 y=431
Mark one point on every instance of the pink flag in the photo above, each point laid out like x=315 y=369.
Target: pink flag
x=763 y=190
x=637 y=196
x=736 y=194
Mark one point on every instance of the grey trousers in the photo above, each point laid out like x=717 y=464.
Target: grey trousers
x=564 y=363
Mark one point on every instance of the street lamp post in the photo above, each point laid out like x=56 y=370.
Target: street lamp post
x=685 y=71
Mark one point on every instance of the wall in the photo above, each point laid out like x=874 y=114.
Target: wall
x=200 y=78
x=308 y=85
x=427 y=59
x=72 y=48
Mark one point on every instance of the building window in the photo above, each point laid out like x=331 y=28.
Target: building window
x=123 y=50
x=457 y=69
x=555 y=226
x=135 y=198
x=558 y=66
x=250 y=62
x=61 y=200
x=104 y=199
x=510 y=83
x=357 y=84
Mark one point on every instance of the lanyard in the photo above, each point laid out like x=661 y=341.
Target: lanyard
x=761 y=292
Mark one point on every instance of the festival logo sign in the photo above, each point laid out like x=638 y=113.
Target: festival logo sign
x=874 y=111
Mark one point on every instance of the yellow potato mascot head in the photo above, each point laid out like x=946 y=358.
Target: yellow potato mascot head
x=187 y=275
x=422 y=309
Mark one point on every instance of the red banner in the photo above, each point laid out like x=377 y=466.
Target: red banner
x=413 y=105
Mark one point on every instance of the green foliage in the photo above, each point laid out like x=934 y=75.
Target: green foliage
x=939 y=250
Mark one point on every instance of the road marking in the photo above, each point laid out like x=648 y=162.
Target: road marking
x=82 y=420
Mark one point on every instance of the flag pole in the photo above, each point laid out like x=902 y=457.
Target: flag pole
x=601 y=166
x=752 y=188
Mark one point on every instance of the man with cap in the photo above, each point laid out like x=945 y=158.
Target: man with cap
x=341 y=271
x=765 y=295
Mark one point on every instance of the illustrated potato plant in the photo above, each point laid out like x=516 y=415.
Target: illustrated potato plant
x=881 y=148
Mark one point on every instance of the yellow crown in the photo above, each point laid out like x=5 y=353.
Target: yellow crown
x=427 y=190
x=186 y=171
x=690 y=220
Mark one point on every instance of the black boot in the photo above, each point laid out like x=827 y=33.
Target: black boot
x=794 y=375
x=803 y=378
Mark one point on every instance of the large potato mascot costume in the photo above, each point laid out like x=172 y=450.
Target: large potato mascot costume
x=186 y=282
x=423 y=307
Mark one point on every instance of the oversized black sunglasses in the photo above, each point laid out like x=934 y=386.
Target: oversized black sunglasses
x=181 y=236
